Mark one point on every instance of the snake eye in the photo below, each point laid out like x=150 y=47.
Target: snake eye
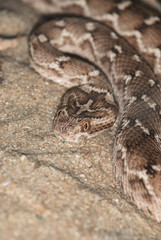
x=85 y=126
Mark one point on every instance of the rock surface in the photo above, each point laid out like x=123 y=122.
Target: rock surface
x=50 y=190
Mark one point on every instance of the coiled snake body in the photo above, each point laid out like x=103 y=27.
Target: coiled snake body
x=88 y=107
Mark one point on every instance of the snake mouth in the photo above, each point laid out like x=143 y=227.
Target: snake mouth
x=71 y=136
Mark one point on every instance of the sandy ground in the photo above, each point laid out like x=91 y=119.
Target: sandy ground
x=50 y=190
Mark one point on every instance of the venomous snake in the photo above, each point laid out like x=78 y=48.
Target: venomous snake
x=119 y=78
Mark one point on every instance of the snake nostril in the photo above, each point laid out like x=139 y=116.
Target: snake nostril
x=58 y=113
x=61 y=113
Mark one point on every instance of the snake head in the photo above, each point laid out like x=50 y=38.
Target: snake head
x=81 y=115
x=70 y=128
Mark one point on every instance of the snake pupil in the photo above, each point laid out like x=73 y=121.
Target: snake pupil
x=85 y=126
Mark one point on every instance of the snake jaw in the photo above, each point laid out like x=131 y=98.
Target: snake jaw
x=69 y=133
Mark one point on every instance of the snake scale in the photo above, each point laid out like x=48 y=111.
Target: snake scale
x=123 y=81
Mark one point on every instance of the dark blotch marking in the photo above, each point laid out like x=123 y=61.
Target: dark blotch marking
x=131 y=73
x=142 y=27
x=61 y=64
x=114 y=10
x=132 y=122
x=115 y=50
x=150 y=170
x=145 y=135
x=129 y=145
x=159 y=46
x=157 y=108
x=135 y=182
x=151 y=131
x=138 y=96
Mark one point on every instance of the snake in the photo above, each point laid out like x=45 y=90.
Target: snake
x=108 y=54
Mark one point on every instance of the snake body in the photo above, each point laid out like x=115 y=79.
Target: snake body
x=118 y=78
